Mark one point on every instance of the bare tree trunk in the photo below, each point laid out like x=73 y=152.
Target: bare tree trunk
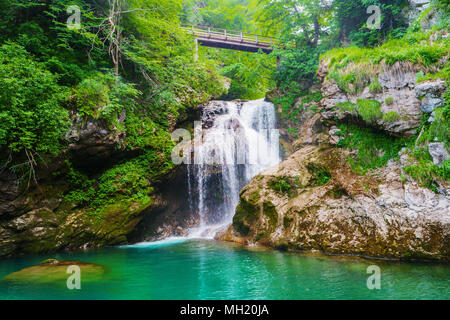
x=115 y=33
x=316 y=31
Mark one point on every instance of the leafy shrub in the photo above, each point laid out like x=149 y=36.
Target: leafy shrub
x=369 y=110
x=31 y=117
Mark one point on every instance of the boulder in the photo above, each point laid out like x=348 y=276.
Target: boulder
x=54 y=271
x=438 y=152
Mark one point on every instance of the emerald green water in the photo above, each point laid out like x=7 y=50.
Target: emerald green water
x=197 y=269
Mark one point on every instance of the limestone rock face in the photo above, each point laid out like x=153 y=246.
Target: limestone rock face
x=40 y=221
x=400 y=97
x=431 y=93
x=380 y=216
x=438 y=151
x=92 y=143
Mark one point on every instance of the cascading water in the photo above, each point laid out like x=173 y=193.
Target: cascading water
x=234 y=142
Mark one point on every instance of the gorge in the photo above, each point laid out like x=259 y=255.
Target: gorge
x=165 y=170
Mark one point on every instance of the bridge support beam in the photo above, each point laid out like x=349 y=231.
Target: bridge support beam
x=196 y=50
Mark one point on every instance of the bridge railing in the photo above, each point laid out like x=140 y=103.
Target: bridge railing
x=230 y=35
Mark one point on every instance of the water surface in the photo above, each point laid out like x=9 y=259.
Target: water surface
x=198 y=269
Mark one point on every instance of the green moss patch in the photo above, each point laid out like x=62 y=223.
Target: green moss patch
x=391 y=116
x=369 y=110
x=280 y=185
x=320 y=174
x=246 y=215
x=375 y=148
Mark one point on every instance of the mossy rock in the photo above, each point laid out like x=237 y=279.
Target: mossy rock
x=320 y=174
x=246 y=215
x=54 y=271
x=270 y=212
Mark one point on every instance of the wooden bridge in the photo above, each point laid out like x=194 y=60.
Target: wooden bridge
x=227 y=39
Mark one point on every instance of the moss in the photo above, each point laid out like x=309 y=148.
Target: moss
x=389 y=101
x=375 y=87
x=287 y=222
x=337 y=192
x=261 y=236
x=246 y=215
x=369 y=110
x=280 y=185
x=320 y=174
x=254 y=197
x=345 y=106
x=391 y=116
x=270 y=212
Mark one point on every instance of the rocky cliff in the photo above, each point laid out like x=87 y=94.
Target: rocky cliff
x=96 y=193
x=347 y=187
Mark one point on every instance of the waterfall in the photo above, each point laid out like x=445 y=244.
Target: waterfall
x=233 y=143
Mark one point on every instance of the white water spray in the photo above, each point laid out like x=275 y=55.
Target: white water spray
x=235 y=142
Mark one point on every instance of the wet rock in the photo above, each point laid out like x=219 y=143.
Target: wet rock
x=54 y=271
x=438 y=152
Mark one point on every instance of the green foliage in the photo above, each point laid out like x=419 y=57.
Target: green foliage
x=375 y=87
x=425 y=172
x=375 y=148
x=391 y=116
x=389 y=101
x=280 y=185
x=355 y=68
x=250 y=73
x=31 y=116
x=103 y=96
x=345 y=106
x=297 y=65
x=321 y=175
x=439 y=130
x=350 y=22
x=369 y=110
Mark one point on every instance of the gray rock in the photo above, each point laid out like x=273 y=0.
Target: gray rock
x=430 y=104
x=431 y=118
x=438 y=152
x=431 y=89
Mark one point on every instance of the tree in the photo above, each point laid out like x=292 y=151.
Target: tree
x=32 y=120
